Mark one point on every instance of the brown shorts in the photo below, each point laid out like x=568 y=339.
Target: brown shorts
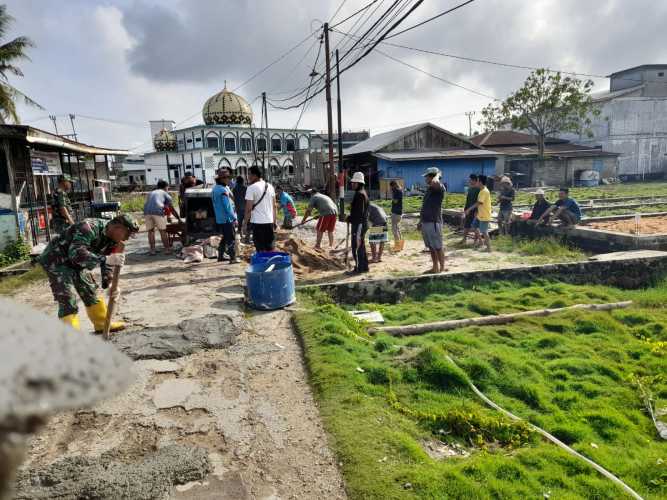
x=156 y=221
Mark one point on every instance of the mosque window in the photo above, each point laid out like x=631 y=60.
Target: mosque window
x=246 y=145
x=212 y=142
x=261 y=144
x=276 y=145
x=289 y=144
x=230 y=145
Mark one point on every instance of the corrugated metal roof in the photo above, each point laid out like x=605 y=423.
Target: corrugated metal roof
x=38 y=136
x=379 y=141
x=567 y=150
x=607 y=94
x=509 y=138
x=438 y=155
x=635 y=68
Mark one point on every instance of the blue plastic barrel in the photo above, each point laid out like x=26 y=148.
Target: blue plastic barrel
x=268 y=290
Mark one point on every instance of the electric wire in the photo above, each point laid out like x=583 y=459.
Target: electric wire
x=432 y=18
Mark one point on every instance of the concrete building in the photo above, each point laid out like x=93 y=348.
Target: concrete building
x=564 y=163
x=227 y=138
x=132 y=171
x=406 y=153
x=633 y=121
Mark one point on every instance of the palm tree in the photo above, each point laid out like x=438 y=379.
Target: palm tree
x=10 y=53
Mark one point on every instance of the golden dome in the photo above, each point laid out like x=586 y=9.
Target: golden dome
x=227 y=108
x=164 y=140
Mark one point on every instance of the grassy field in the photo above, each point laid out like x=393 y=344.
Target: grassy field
x=134 y=202
x=10 y=285
x=386 y=400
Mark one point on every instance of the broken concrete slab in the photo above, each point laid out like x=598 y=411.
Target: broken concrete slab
x=175 y=392
x=80 y=477
x=189 y=336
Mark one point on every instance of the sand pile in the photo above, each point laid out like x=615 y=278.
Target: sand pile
x=305 y=258
x=647 y=225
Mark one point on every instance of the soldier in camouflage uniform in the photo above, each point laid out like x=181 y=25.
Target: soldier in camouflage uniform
x=61 y=207
x=69 y=258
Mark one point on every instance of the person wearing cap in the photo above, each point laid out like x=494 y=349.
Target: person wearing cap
x=225 y=215
x=358 y=219
x=157 y=202
x=61 y=207
x=505 y=200
x=69 y=258
x=541 y=205
x=430 y=219
x=565 y=209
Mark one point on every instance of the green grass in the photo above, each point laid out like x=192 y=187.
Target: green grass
x=134 y=202
x=537 y=251
x=570 y=374
x=10 y=285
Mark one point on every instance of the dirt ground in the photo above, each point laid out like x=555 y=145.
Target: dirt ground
x=647 y=225
x=249 y=405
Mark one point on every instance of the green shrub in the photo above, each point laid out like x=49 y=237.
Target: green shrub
x=16 y=251
x=434 y=368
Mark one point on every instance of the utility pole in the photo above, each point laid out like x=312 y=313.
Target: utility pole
x=55 y=123
x=71 y=119
x=470 y=114
x=332 y=167
x=340 y=143
x=267 y=141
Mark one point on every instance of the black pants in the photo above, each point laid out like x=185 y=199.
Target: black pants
x=226 y=241
x=358 y=243
x=263 y=237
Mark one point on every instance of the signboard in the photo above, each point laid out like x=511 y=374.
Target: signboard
x=44 y=163
x=89 y=162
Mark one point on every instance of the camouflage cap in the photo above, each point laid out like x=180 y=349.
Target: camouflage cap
x=66 y=177
x=126 y=221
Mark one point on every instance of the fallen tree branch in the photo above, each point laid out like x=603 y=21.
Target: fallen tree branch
x=499 y=319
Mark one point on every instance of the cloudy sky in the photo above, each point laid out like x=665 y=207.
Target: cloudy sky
x=117 y=64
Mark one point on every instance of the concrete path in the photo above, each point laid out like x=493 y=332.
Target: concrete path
x=247 y=405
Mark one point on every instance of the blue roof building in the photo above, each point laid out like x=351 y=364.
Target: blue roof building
x=407 y=152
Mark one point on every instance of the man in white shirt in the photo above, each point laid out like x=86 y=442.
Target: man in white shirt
x=260 y=211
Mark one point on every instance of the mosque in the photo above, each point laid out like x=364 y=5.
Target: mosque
x=227 y=138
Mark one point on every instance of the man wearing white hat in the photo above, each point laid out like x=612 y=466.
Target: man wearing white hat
x=358 y=219
x=505 y=199
x=430 y=219
x=540 y=207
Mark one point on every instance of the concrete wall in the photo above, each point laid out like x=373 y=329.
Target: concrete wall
x=626 y=272
x=635 y=127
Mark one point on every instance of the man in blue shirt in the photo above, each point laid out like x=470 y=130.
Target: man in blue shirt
x=154 y=214
x=225 y=216
x=288 y=207
x=565 y=209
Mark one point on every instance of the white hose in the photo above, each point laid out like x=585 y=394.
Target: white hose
x=553 y=439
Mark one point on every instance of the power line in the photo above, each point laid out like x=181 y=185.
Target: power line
x=337 y=10
x=448 y=82
x=432 y=18
x=354 y=14
x=366 y=52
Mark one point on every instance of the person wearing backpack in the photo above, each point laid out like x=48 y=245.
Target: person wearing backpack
x=260 y=211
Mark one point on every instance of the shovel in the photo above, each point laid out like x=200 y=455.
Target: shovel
x=114 y=294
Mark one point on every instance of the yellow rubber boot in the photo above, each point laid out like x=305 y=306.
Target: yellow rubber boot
x=98 y=315
x=71 y=320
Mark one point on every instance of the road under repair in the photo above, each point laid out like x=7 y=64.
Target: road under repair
x=220 y=407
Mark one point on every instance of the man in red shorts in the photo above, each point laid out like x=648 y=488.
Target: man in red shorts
x=326 y=208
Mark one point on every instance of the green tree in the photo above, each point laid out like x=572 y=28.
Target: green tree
x=10 y=54
x=546 y=104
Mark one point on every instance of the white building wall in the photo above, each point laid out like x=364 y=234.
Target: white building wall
x=635 y=127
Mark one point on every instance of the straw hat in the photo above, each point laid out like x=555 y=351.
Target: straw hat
x=505 y=179
x=358 y=177
x=539 y=192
